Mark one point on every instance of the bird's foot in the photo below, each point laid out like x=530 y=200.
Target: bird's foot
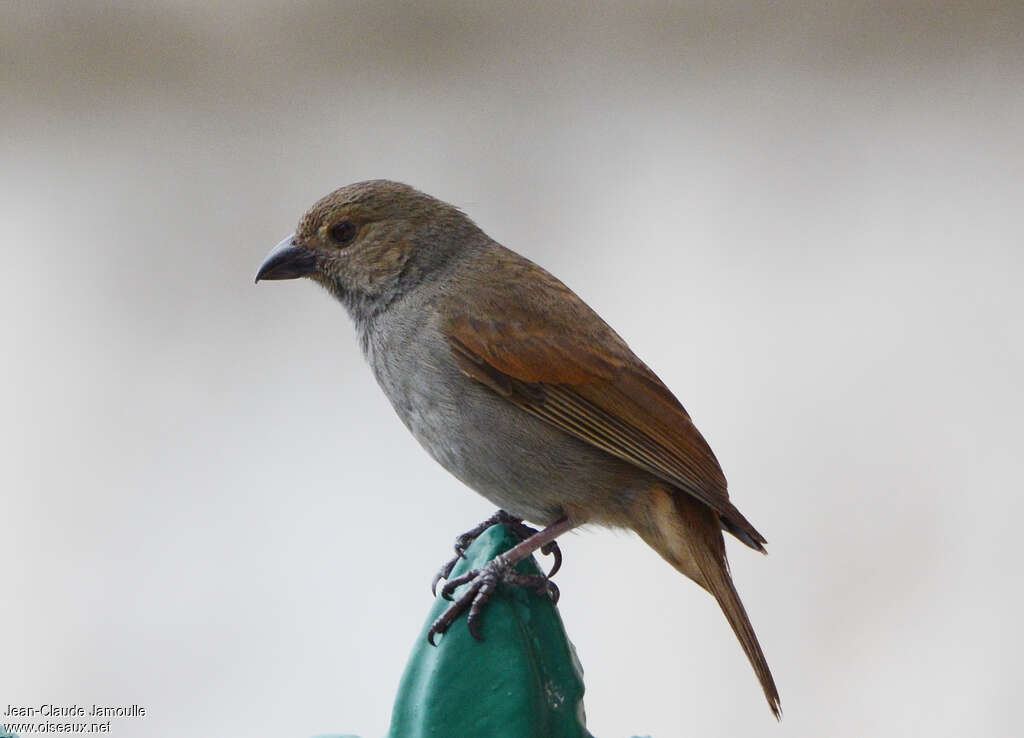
x=482 y=584
x=516 y=525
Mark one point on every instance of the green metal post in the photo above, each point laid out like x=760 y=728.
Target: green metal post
x=522 y=681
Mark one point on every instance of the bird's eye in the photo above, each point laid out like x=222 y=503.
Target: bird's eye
x=342 y=232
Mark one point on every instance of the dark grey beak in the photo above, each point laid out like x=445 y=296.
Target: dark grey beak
x=287 y=260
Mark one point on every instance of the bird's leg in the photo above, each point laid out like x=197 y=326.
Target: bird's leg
x=516 y=525
x=500 y=570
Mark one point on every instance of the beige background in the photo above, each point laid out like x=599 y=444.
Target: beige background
x=805 y=216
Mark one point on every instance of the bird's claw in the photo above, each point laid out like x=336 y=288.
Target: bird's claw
x=465 y=540
x=445 y=571
x=482 y=584
x=553 y=549
x=461 y=544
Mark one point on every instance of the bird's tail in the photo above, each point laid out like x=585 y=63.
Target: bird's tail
x=688 y=535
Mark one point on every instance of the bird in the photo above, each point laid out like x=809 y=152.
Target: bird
x=520 y=390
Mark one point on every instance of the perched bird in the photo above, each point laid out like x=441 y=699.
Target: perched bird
x=518 y=388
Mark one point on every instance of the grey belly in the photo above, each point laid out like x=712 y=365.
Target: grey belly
x=517 y=461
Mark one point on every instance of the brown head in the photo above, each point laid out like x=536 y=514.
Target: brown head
x=368 y=241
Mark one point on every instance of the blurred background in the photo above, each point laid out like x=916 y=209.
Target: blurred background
x=805 y=216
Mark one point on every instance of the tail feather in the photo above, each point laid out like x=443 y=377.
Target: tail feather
x=719 y=582
x=688 y=535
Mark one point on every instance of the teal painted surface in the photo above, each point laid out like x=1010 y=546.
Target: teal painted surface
x=522 y=681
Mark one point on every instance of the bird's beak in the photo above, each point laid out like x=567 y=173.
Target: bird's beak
x=287 y=260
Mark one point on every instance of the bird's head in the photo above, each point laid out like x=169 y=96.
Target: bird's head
x=369 y=242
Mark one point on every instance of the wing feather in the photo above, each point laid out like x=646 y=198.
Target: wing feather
x=560 y=362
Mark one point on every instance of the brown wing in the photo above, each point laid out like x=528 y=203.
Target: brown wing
x=559 y=361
